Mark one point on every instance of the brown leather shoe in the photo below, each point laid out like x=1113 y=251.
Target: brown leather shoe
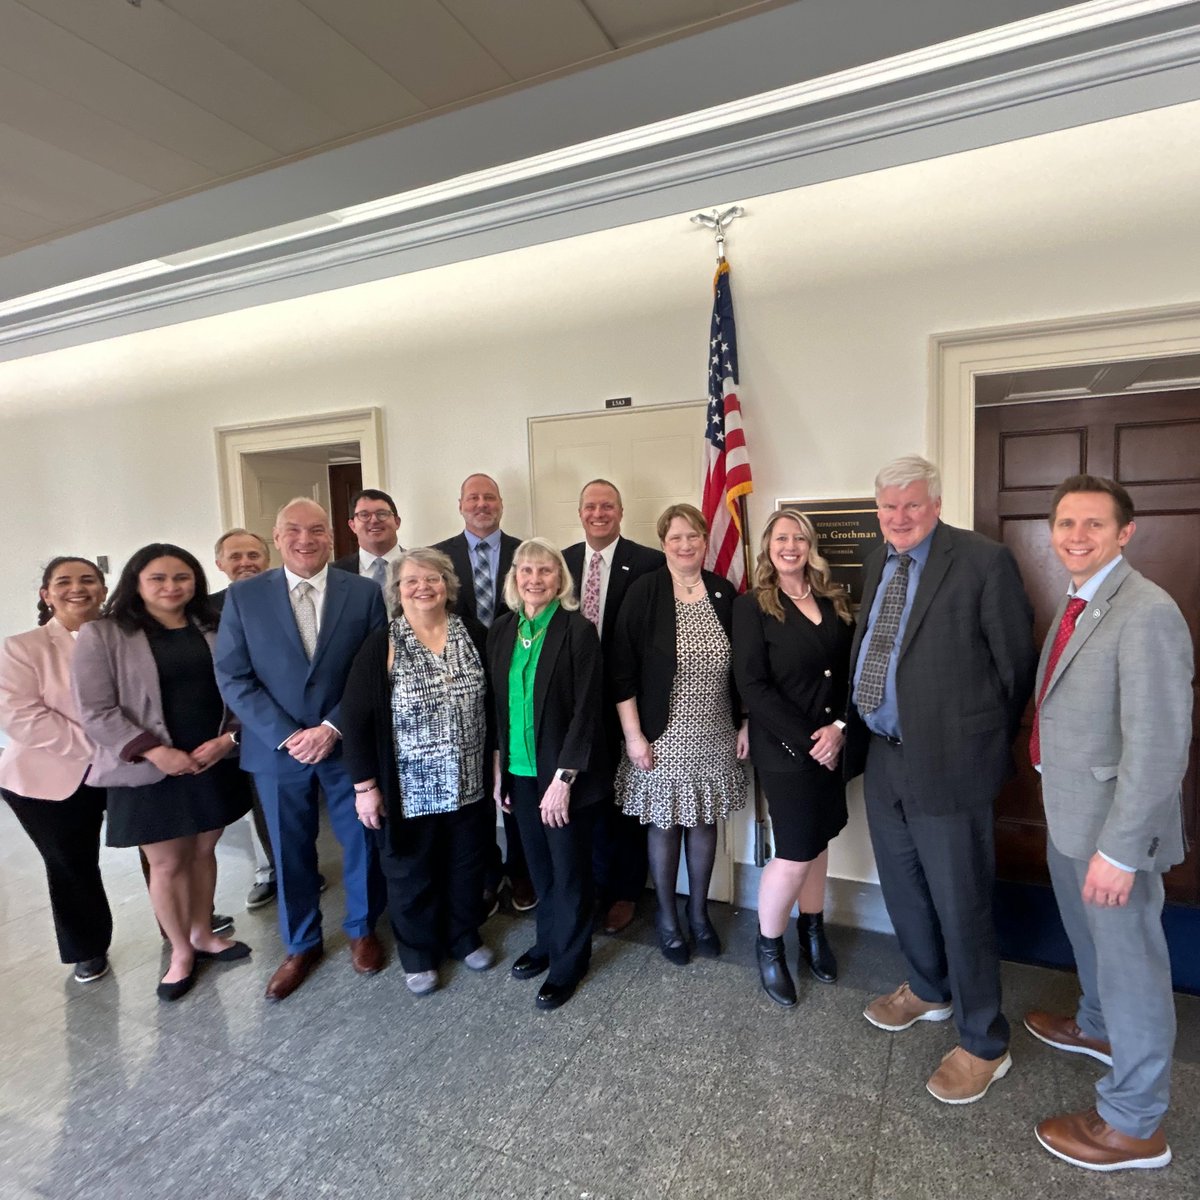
x=964 y=1077
x=292 y=972
x=902 y=1008
x=1064 y=1034
x=523 y=896
x=1086 y=1139
x=619 y=916
x=366 y=953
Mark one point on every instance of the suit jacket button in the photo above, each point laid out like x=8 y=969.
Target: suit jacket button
x=1153 y=846
x=828 y=709
x=828 y=673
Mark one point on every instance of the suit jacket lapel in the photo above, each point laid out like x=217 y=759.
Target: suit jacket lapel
x=556 y=635
x=618 y=582
x=934 y=571
x=336 y=589
x=1089 y=620
x=504 y=653
x=284 y=615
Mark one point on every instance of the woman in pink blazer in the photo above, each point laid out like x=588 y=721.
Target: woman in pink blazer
x=42 y=771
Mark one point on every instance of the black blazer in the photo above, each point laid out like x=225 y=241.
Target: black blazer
x=630 y=561
x=964 y=675
x=348 y=563
x=567 y=712
x=793 y=676
x=643 y=661
x=460 y=555
x=217 y=600
x=368 y=749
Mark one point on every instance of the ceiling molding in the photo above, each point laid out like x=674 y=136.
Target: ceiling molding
x=1089 y=75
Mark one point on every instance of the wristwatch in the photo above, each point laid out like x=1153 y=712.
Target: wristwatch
x=566 y=775
x=233 y=736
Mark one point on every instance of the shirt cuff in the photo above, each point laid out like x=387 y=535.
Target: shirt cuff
x=1113 y=862
x=136 y=749
x=287 y=739
x=333 y=727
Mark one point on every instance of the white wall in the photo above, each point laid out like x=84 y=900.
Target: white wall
x=838 y=288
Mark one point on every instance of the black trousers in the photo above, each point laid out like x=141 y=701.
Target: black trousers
x=67 y=836
x=434 y=868
x=560 y=866
x=499 y=863
x=619 y=859
x=937 y=875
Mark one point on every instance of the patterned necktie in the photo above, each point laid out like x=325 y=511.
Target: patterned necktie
x=484 y=587
x=591 y=589
x=305 y=609
x=1066 y=627
x=868 y=696
x=379 y=572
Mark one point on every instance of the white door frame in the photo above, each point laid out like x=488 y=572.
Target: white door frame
x=957 y=358
x=362 y=425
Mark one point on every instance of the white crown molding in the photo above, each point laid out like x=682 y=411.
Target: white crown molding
x=704 y=147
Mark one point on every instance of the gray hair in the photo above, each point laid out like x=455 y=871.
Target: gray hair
x=539 y=549
x=912 y=468
x=239 y=532
x=426 y=556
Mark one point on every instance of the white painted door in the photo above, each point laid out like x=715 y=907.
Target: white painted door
x=271 y=478
x=654 y=457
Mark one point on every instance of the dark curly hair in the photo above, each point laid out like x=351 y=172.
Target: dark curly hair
x=44 y=611
x=128 y=609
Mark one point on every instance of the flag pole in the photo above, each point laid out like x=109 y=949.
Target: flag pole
x=717 y=222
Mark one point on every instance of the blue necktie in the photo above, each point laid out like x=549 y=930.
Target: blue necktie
x=484 y=588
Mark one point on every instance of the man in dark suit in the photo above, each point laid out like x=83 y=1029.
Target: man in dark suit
x=241 y=554
x=1111 y=738
x=482 y=555
x=375 y=523
x=284 y=649
x=603 y=566
x=942 y=667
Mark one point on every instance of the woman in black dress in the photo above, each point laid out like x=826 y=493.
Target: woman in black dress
x=791 y=658
x=148 y=699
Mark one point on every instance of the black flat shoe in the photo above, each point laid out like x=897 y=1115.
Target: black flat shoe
x=238 y=950
x=554 y=995
x=529 y=965
x=708 y=945
x=178 y=989
x=674 y=949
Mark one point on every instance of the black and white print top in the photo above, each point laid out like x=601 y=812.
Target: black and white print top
x=438 y=720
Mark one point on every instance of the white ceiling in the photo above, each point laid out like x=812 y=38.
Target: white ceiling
x=111 y=106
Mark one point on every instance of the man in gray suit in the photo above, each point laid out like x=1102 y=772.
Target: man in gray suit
x=1110 y=737
x=943 y=662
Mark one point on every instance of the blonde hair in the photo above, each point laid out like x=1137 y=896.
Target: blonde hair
x=820 y=578
x=539 y=550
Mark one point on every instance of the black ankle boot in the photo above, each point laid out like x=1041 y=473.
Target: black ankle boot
x=773 y=970
x=814 y=948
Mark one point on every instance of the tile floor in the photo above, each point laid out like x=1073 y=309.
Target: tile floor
x=654 y=1081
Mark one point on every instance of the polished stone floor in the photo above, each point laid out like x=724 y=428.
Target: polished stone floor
x=654 y=1081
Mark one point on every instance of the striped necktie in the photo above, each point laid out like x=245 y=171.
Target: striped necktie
x=868 y=696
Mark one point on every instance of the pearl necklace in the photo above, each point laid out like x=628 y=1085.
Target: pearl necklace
x=804 y=595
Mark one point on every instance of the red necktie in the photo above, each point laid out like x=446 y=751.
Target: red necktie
x=1066 y=627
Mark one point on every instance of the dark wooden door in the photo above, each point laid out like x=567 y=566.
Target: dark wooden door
x=344 y=480
x=1151 y=444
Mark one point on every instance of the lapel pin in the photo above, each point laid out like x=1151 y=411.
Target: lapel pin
x=717 y=594
x=624 y=568
x=1096 y=613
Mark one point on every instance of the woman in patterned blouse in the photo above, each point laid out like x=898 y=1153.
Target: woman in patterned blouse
x=415 y=735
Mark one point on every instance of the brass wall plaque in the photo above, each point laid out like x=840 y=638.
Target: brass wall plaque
x=847 y=531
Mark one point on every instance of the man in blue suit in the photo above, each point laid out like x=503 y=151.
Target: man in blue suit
x=286 y=642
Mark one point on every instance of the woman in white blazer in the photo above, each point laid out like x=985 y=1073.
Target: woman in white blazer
x=42 y=771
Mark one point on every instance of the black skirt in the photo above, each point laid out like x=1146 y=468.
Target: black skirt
x=808 y=810
x=182 y=805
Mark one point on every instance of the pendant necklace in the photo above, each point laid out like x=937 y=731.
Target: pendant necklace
x=688 y=587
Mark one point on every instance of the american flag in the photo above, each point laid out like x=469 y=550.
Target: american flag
x=726 y=462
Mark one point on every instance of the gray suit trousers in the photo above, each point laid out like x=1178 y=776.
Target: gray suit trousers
x=1125 y=973
x=937 y=875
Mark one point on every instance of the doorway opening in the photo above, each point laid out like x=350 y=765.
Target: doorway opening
x=328 y=457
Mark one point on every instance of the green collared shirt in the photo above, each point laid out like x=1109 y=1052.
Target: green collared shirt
x=531 y=634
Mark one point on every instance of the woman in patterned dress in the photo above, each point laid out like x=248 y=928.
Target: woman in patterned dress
x=414 y=722
x=791 y=640
x=681 y=717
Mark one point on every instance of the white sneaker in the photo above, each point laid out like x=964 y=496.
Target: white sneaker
x=420 y=983
x=481 y=958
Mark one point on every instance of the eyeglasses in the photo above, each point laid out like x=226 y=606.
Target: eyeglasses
x=416 y=581
x=378 y=514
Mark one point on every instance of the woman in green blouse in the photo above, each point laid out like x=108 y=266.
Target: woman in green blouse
x=544 y=659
